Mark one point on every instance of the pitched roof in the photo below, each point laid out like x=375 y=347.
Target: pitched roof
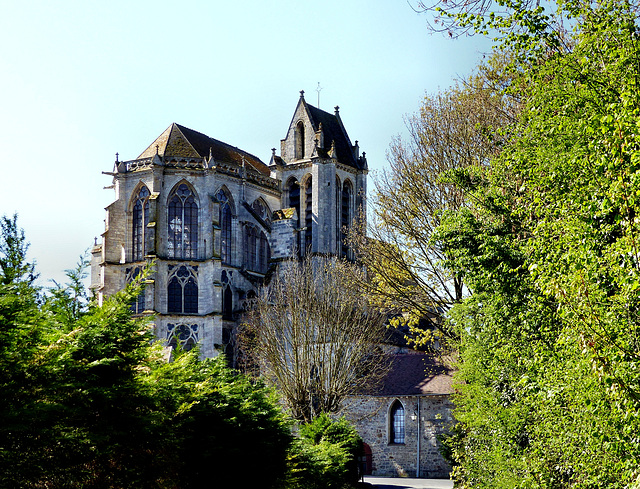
x=415 y=373
x=334 y=131
x=182 y=142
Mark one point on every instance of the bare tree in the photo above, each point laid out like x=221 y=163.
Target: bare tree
x=454 y=129
x=313 y=335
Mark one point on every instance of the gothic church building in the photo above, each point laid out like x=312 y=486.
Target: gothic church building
x=214 y=219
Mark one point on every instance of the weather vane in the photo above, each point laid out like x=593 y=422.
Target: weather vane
x=318 y=90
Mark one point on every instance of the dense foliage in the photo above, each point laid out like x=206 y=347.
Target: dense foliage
x=548 y=387
x=88 y=400
x=325 y=455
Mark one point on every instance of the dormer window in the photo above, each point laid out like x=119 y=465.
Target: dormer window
x=299 y=140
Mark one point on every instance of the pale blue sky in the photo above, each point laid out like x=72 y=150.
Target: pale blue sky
x=82 y=80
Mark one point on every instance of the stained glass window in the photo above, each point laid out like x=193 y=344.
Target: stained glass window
x=182 y=291
x=183 y=224
x=140 y=222
x=225 y=226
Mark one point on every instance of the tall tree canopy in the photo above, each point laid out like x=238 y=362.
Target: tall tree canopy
x=460 y=127
x=549 y=394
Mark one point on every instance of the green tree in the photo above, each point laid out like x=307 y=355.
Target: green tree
x=548 y=384
x=89 y=400
x=463 y=126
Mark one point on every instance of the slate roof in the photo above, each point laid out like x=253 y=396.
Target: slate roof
x=415 y=373
x=333 y=131
x=182 y=142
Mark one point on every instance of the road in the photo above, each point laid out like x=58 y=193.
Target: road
x=406 y=483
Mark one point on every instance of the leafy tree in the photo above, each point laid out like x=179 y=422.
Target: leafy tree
x=454 y=129
x=89 y=400
x=325 y=455
x=313 y=336
x=548 y=384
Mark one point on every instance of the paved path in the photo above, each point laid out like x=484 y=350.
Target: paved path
x=406 y=483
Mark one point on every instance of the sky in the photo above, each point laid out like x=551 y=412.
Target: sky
x=82 y=80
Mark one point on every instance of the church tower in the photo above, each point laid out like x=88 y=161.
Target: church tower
x=214 y=220
x=323 y=178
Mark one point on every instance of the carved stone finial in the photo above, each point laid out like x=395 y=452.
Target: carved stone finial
x=116 y=157
x=301 y=93
x=337 y=107
x=157 y=149
x=273 y=151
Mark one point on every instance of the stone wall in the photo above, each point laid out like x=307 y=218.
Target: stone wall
x=370 y=416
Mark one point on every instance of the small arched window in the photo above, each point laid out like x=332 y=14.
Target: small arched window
x=308 y=216
x=183 y=223
x=299 y=140
x=225 y=220
x=346 y=216
x=182 y=291
x=140 y=222
x=396 y=423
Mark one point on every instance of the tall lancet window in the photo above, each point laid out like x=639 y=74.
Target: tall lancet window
x=140 y=222
x=338 y=215
x=294 y=202
x=183 y=223
x=308 y=215
x=396 y=423
x=225 y=226
x=299 y=140
x=346 y=216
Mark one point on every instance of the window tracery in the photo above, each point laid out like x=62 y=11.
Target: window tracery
x=256 y=249
x=227 y=296
x=182 y=290
x=225 y=226
x=186 y=335
x=140 y=222
x=138 y=305
x=261 y=209
x=183 y=223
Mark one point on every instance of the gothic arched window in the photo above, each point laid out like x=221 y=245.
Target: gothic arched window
x=261 y=209
x=299 y=139
x=186 y=335
x=294 y=201
x=182 y=291
x=225 y=226
x=396 y=423
x=346 y=216
x=183 y=223
x=256 y=249
x=138 y=305
x=308 y=215
x=140 y=222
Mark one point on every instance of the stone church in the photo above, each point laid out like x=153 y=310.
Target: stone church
x=215 y=219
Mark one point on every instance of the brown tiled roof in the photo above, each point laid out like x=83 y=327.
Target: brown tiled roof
x=415 y=373
x=182 y=142
x=333 y=132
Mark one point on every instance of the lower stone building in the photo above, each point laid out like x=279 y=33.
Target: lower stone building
x=400 y=421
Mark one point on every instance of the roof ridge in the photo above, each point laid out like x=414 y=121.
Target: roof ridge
x=179 y=128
